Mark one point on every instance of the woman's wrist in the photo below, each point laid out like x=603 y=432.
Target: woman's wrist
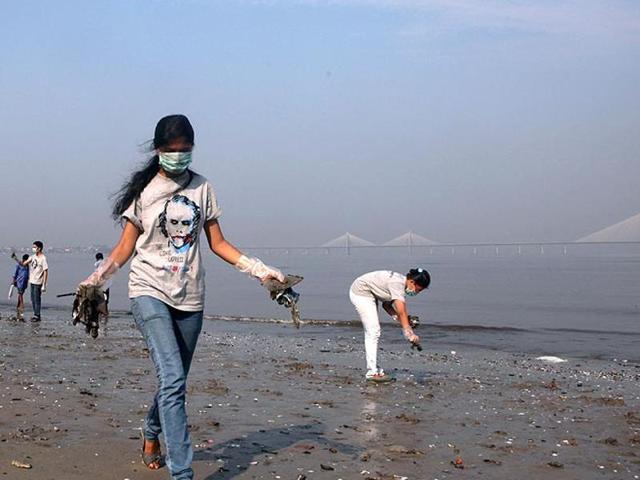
x=103 y=273
x=254 y=267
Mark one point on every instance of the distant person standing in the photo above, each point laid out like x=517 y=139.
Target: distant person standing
x=38 y=276
x=390 y=288
x=107 y=285
x=20 y=281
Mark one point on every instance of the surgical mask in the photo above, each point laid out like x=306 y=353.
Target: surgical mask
x=34 y=249
x=410 y=293
x=174 y=162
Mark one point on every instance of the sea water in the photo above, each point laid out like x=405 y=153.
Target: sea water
x=576 y=302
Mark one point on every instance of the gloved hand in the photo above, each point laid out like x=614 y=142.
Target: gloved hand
x=410 y=336
x=257 y=269
x=44 y=288
x=104 y=272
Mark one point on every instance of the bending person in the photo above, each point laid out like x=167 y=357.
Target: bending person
x=390 y=288
x=164 y=208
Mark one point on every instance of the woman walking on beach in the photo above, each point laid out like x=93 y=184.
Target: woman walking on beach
x=390 y=288
x=164 y=207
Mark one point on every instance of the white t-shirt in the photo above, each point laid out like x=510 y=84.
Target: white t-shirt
x=37 y=266
x=170 y=214
x=383 y=285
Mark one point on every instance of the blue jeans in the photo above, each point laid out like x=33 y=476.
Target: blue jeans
x=171 y=337
x=36 y=296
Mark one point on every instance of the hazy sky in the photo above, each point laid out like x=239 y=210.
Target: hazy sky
x=462 y=120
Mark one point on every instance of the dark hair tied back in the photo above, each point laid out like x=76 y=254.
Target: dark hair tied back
x=420 y=276
x=168 y=130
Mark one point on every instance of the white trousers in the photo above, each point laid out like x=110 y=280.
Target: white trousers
x=368 y=311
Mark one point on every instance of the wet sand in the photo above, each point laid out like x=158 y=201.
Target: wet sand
x=269 y=401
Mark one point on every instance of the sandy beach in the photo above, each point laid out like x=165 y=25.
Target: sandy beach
x=267 y=401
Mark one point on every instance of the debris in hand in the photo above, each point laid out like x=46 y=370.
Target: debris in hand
x=284 y=295
x=88 y=305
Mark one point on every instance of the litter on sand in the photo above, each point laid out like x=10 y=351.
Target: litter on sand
x=19 y=464
x=551 y=359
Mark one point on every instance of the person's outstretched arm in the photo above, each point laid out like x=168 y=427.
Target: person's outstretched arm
x=20 y=262
x=403 y=317
x=124 y=249
x=230 y=254
x=118 y=257
x=220 y=245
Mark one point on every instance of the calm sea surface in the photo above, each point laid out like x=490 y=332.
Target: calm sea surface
x=580 y=303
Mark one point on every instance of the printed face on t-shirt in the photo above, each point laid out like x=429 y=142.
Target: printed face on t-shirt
x=179 y=222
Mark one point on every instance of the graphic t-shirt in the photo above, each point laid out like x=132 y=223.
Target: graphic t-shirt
x=170 y=214
x=37 y=266
x=383 y=285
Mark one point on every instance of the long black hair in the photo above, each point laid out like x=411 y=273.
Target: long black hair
x=420 y=276
x=168 y=129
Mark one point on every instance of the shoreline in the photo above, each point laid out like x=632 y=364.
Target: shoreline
x=268 y=401
x=571 y=342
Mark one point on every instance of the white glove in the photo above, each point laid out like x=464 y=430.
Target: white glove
x=410 y=336
x=44 y=288
x=257 y=269
x=104 y=272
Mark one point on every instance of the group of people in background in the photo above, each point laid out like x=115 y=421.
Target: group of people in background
x=32 y=271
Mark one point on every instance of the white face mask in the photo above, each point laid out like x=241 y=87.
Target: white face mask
x=34 y=249
x=174 y=162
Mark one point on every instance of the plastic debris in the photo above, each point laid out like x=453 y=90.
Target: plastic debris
x=284 y=294
x=88 y=305
x=19 y=464
x=551 y=359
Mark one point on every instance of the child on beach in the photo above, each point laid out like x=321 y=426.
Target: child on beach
x=38 y=276
x=390 y=288
x=164 y=208
x=20 y=281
